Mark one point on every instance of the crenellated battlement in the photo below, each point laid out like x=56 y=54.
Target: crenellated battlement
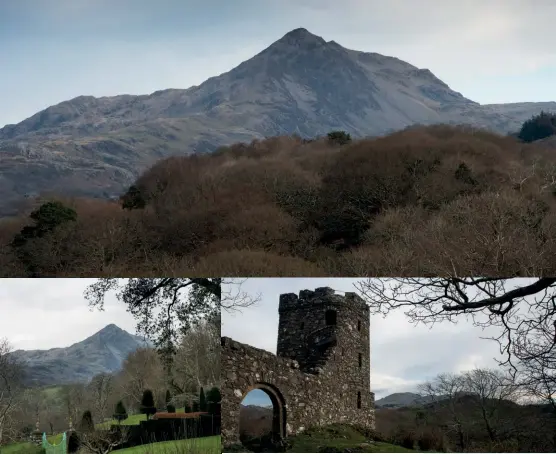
x=321 y=295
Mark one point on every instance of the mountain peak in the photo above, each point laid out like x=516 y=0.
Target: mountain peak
x=104 y=352
x=301 y=36
x=111 y=327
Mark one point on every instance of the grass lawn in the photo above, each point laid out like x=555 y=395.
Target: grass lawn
x=133 y=420
x=19 y=448
x=209 y=445
x=28 y=448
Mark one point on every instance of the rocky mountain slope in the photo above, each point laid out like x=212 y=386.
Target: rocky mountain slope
x=101 y=352
x=300 y=84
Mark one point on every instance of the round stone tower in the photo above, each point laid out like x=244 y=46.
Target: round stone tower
x=328 y=333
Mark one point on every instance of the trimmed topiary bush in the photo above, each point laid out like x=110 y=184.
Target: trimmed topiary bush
x=147 y=403
x=87 y=424
x=120 y=413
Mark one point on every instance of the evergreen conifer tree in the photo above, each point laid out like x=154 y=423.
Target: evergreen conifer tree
x=202 y=400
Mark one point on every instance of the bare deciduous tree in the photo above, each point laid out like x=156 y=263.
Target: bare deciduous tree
x=524 y=312
x=100 y=389
x=74 y=397
x=447 y=388
x=197 y=359
x=141 y=370
x=11 y=375
x=492 y=388
x=234 y=298
x=104 y=441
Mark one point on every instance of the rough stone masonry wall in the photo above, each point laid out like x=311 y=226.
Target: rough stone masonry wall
x=307 y=399
x=303 y=317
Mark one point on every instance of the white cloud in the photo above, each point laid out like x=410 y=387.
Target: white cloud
x=50 y=313
x=402 y=355
x=105 y=48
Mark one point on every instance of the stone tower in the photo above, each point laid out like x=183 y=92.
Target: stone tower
x=328 y=334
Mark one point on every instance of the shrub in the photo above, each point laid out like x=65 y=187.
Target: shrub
x=339 y=137
x=168 y=397
x=187 y=407
x=120 y=414
x=147 y=403
x=195 y=406
x=405 y=438
x=431 y=440
x=133 y=199
x=170 y=408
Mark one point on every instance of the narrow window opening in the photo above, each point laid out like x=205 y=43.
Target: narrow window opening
x=302 y=325
x=360 y=360
x=330 y=317
x=358 y=325
x=359 y=399
x=342 y=352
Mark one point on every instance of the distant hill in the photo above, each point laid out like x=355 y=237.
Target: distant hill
x=255 y=421
x=301 y=84
x=102 y=352
x=398 y=400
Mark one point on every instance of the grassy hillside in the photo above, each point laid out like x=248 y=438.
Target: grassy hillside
x=332 y=438
x=424 y=201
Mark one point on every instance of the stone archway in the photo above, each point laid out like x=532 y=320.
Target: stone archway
x=278 y=408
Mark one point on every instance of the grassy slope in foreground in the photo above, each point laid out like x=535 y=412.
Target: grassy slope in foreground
x=340 y=438
x=209 y=445
x=333 y=438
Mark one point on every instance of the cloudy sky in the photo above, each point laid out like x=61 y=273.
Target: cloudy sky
x=49 y=313
x=402 y=355
x=54 y=50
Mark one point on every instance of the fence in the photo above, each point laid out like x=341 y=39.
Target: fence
x=60 y=448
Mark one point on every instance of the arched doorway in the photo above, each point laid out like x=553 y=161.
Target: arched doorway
x=262 y=417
